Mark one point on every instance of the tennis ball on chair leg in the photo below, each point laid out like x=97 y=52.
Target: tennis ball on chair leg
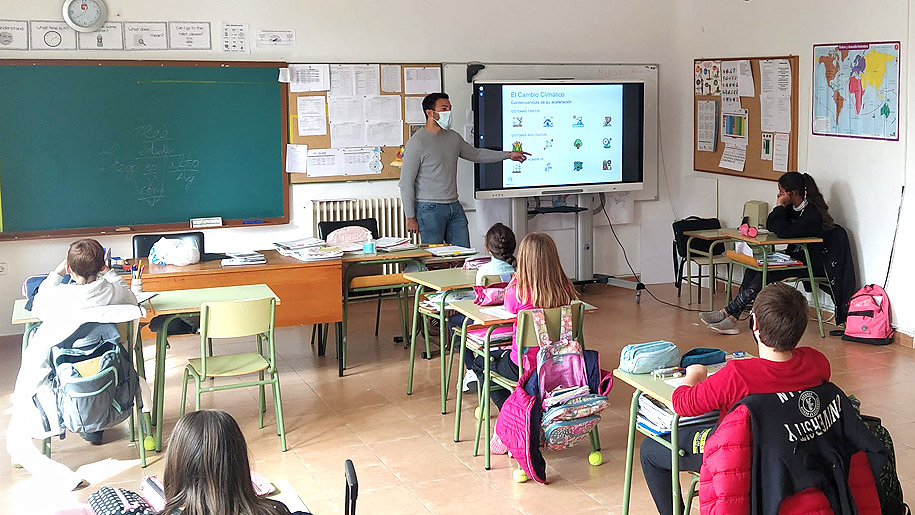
x=149 y=443
x=519 y=476
x=595 y=458
x=478 y=412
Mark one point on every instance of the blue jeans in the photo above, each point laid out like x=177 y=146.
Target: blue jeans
x=441 y=223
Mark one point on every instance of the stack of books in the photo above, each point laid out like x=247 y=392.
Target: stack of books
x=287 y=248
x=244 y=258
x=656 y=418
x=386 y=242
x=778 y=258
x=317 y=253
x=432 y=301
x=451 y=250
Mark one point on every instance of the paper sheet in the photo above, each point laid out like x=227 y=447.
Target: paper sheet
x=390 y=78
x=780 y=152
x=309 y=77
x=266 y=37
x=312 y=116
x=413 y=107
x=706 y=125
x=745 y=79
x=17 y=35
x=422 y=81
x=356 y=161
x=775 y=113
x=235 y=38
x=775 y=77
x=345 y=109
x=734 y=157
x=143 y=35
x=323 y=162
x=383 y=108
x=366 y=80
x=347 y=134
x=189 y=36
x=766 y=147
x=296 y=158
x=730 y=93
x=284 y=76
x=734 y=128
x=384 y=134
x=342 y=81
x=708 y=78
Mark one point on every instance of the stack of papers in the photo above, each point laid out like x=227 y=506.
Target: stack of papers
x=779 y=258
x=451 y=250
x=299 y=244
x=244 y=258
x=501 y=336
x=498 y=312
x=389 y=241
x=317 y=253
x=433 y=301
x=402 y=246
x=656 y=418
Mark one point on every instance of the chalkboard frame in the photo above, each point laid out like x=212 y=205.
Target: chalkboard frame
x=165 y=227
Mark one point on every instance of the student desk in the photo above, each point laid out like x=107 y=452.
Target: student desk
x=660 y=391
x=714 y=236
x=311 y=291
x=763 y=242
x=352 y=261
x=448 y=281
x=24 y=316
x=173 y=304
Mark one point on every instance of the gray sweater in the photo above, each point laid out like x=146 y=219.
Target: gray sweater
x=429 y=171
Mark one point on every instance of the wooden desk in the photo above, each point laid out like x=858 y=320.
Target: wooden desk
x=173 y=304
x=715 y=236
x=447 y=281
x=311 y=291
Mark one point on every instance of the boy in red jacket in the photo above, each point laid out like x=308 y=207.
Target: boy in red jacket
x=777 y=323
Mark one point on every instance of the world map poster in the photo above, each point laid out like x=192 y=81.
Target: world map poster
x=856 y=90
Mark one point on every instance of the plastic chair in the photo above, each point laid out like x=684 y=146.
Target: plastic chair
x=700 y=249
x=235 y=319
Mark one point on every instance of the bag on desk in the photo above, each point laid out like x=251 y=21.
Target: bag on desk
x=642 y=358
x=118 y=501
x=168 y=251
x=492 y=295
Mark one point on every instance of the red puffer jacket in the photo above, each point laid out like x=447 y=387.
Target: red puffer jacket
x=724 y=480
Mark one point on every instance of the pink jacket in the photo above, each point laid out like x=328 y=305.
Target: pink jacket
x=724 y=480
x=513 y=427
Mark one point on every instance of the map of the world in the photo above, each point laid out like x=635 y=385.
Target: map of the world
x=856 y=90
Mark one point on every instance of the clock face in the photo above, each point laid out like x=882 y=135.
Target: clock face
x=52 y=38
x=85 y=15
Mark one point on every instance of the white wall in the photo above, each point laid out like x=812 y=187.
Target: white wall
x=596 y=31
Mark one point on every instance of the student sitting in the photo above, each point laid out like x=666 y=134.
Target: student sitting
x=777 y=323
x=207 y=469
x=800 y=211
x=538 y=283
x=500 y=244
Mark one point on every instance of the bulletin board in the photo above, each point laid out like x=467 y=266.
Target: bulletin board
x=388 y=154
x=755 y=166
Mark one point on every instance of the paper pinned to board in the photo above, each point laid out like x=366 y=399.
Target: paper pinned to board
x=413 y=110
x=734 y=128
x=766 y=146
x=390 y=78
x=347 y=134
x=706 y=125
x=780 y=152
x=745 y=86
x=360 y=161
x=309 y=77
x=422 y=80
x=323 y=162
x=384 y=133
x=345 y=109
x=342 y=81
x=383 y=108
x=296 y=158
x=312 y=115
x=730 y=94
x=366 y=79
x=734 y=157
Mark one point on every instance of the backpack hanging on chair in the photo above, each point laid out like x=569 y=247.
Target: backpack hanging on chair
x=869 y=317
x=570 y=411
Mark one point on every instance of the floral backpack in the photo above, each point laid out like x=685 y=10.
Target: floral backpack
x=571 y=411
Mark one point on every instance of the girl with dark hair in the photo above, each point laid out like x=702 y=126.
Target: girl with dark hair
x=800 y=211
x=207 y=470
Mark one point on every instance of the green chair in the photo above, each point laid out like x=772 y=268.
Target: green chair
x=235 y=319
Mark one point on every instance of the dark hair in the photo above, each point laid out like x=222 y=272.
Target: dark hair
x=86 y=258
x=207 y=469
x=500 y=241
x=430 y=100
x=781 y=316
x=805 y=186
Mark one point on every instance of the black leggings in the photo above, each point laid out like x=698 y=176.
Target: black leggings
x=502 y=365
x=655 y=459
x=752 y=285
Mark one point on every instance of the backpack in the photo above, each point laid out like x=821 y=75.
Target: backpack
x=95 y=383
x=888 y=487
x=869 y=317
x=571 y=412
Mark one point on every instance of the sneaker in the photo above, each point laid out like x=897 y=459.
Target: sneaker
x=470 y=379
x=496 y=446
x=712 y=317
x=726 y=326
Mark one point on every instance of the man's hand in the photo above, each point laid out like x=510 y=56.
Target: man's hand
x=61 y=269
x=412 y=225
x=695 y=374
x=518 y=156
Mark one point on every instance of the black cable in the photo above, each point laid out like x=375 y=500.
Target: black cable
x=638 y=278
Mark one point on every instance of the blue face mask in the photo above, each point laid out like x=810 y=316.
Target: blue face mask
x=444 y=119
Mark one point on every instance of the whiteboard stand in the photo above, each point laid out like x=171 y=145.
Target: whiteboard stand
x=584 y=243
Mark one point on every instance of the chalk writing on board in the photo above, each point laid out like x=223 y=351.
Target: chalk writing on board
x=152 y=162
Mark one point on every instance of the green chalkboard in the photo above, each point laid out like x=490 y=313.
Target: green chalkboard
x=98 y=147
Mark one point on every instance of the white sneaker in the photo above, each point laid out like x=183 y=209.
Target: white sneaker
x=469 y=378
x=726 y=326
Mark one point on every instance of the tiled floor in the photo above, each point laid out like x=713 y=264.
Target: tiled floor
x=402 y=446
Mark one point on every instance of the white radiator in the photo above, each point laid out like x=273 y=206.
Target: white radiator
x=387 y=211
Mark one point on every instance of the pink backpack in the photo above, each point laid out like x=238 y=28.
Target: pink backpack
x=560 y=364
x=869 y=317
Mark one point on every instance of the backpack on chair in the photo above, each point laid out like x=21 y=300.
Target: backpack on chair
x=869 y=317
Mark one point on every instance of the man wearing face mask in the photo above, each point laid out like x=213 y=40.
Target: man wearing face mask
x=428 y=177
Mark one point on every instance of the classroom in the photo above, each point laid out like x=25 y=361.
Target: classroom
x=403 y=446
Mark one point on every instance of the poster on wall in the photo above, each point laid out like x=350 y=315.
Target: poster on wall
x=856 y=90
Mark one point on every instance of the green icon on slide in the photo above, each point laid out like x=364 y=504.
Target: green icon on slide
x=577 y=143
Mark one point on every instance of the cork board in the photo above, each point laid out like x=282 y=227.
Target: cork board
x=755 y=167
x=388 y=154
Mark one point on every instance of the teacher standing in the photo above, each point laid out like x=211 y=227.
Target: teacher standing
x=428 y=177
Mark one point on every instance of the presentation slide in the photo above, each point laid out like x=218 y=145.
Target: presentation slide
x=573 y=133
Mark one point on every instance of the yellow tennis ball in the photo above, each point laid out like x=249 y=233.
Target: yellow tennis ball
x=478 y=412
x=595 y=458
x=149 y=443
x=519 y=476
